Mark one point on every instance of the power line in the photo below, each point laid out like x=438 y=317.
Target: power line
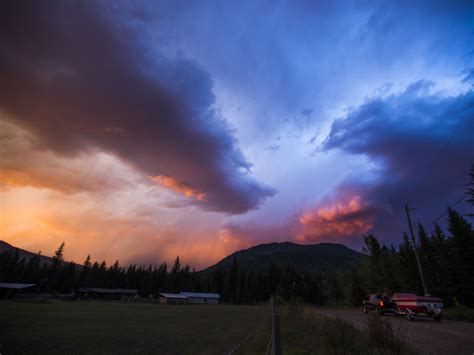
x=436 y=156
x=454 y=205
x=447 y=142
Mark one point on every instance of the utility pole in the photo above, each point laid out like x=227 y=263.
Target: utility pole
x=407 y=210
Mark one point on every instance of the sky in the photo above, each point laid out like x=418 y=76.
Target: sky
x=140 y=130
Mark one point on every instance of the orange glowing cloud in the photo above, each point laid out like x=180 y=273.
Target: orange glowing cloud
x=111 y=226
x=232 y=237
x=180 y=187
x=24 y=165
x=344 y=218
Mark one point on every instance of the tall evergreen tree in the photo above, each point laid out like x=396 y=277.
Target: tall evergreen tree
x=233 y=281
x=56 y=271
x=426 y=253
x=461 y=252
x=58 y=257
x=373 y=249
x=410 y=279
x=175 y=276
x=470 y=188
x=357 y=293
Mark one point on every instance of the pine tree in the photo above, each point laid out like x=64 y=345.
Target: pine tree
x=58 y=257
x=356 y=291
x=233 y=286
x=67 y=285
x=470 y=188
x=461 y=252
x=410 y=279
x=373 y=249
x=285 y=285
x=442 y=264
x=335 y=291
x=175 y=276
x=426 y=253
x=33 y=269
x=56 y=272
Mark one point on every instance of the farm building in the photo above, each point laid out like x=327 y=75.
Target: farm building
x=108 y=293
x=172 y=298
x=201 y=298
x=9 y=290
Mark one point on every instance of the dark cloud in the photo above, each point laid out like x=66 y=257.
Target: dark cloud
x=395 y=30
x=77 y=80
x=468 y=75
x=307 y=111
x=423 y=143
x=273 y=147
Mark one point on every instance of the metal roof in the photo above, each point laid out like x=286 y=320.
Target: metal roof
x=109 y=290
x=14 y=285
x=200 y=295
x=173 y=295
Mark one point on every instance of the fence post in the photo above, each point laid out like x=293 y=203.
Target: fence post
x=276 y=342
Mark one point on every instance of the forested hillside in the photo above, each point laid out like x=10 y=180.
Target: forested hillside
x=312 y=257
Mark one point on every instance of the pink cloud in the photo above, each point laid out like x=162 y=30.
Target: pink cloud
x=347 y=216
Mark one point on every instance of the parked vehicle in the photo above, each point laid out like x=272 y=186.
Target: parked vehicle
x=411 y=305
x=379 y=303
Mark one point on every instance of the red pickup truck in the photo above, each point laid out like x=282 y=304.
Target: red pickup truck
x=379 y=303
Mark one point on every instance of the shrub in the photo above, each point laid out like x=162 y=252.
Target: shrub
x=459 y=312
x=382 y=336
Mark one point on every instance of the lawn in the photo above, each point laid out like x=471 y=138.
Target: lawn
x=113 y=327
x=93 y=327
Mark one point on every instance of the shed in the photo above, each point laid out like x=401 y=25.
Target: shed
x=173 y=298
x=108 y=293
x=202 y=297
x=9 y=290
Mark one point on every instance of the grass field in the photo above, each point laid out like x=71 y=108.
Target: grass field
x=117 y=328
x=303 y=331
x=109 y=327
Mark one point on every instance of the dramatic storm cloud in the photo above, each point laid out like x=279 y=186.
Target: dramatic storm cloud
x=145 y=130
x=421 y=140
x=79 y=82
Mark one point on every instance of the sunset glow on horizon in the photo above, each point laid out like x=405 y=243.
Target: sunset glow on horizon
x=145 y=131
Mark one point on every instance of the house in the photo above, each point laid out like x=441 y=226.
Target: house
x=201 y=297
x=9 y=290
x=173 y=298
x=108 y=293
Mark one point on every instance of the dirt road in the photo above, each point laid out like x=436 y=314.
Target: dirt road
x=426 y=335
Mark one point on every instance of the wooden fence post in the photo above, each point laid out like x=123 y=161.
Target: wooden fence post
x=276 y=341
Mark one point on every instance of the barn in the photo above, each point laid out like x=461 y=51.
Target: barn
x=173 y=298
x=108 y=293
x=10 y=290
x=201 y=297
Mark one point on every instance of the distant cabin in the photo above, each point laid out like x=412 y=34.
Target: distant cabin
x=173 y=298
x=10 y=290
x=108 y=293
x=201 y=297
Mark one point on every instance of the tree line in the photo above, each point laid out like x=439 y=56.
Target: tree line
x=446 y=256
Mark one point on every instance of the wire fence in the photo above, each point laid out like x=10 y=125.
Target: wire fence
x=274 y=345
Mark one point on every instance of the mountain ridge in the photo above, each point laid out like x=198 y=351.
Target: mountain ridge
x=305 y=257
x=4 y=246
